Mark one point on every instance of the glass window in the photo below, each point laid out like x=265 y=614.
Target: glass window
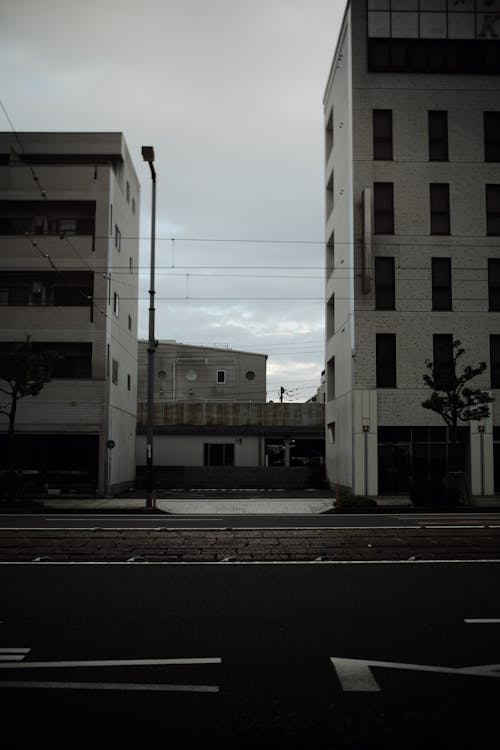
x=461 y=26
x=441 y=283
x=494 y=284
x=440 y=208
x=493 y=210
x=383 y=208
x=491 y=136
x=330 y=317
x=330 y=379
x=385 y=297
x=404 y=5
x=114 y=371
x=495 y=360
x=404 y=25
x=379 y=4
x=433 y=26
x=218 y=454
x=221 y=376
x=382 y=134
x=379 y=25
x=438 y=135
x=443 y=364
x=386 y=360
x=432 y=5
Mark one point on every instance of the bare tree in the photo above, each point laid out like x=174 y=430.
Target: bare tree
x=454 y=400
x=23 y=372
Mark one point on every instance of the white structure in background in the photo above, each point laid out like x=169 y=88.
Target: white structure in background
x=412 y=180
x=68 y=260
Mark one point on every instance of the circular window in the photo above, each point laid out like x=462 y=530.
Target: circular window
x=250 y=375
x=191 y=375
x=162 y=375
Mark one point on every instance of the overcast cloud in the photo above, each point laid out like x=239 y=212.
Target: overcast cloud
x=229 y=93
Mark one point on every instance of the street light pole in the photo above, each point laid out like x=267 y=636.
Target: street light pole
x=148 y=155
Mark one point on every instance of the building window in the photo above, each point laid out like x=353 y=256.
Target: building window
x=129 y=322
x=331 y=432
x=383 y=208
x=330 y=317
x=438 y=135
x=114 y=371
x=46 y=217
x=442 y=359
x=70 y=360
x=129 y=382
x=386 y=360
x=441 y=283
x=133 y=205
x=493 y=210
x=330 y=255
x=221 y=376
x=329 y=195
x=382 y=134
x=218 y=454
x=330 y=379
x=116 y=304
x=494 y=284
x=127 y=191
x=495 y=360
x=440 y=207
x=118 y=238
x=329 y=136
x=250 y=375
x=130 y=265
x=492 y=136
x=385 y=291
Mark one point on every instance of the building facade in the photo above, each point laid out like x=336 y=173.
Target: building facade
x=69 y=226
x=412 y=184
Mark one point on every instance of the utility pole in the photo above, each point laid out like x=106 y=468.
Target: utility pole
x=282 y=391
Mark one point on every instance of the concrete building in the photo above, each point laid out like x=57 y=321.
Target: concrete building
x=185 y=372
x=213 y=427
x=412 y=184
x=69 y=221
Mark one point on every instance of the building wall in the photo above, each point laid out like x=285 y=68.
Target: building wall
x=186 y=372
x=188 y=450
x=410 y=97
x=80 y=405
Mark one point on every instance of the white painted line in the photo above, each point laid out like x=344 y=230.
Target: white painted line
x=111 y=686
x=14 y=650
x=355 y=675
x=107 y=663
x=11 y=657
x=217 y=563
x=482 y=621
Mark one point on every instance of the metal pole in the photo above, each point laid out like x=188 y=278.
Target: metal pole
x=151 y=353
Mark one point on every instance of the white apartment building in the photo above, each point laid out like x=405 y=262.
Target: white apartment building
x=412 y=179
x=69 y=221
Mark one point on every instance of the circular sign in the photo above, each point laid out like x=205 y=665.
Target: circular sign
x=110 y=443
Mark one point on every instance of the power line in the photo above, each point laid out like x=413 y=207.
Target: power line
x=28 y=164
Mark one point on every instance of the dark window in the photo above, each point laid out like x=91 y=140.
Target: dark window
x=114 y=371
x=329 y=135
x=495 y=360
x=47 y=217
x=443 y=366
x=329 y=196
x=221 y=376
x=492 y=136
x=330 y=379
x=493 y=210
x=118 y=238
x=18 y=295
x=494 y=284
x=382 y=134
x=330 y=254
x=330 y=317
x=69 y=359
x=116 y=304
x=434 y=55
x=127 y=191
x=385 y=296
x=386 y=360
x=440 y=207
x=441 y=283
x=438 y=135
x=129 y=381
x=129 y=322
x=218 y=454
x=383 y=208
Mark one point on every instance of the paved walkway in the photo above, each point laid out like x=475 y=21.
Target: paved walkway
x=198 y=507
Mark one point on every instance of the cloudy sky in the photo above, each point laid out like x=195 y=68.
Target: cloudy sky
x=229 y=93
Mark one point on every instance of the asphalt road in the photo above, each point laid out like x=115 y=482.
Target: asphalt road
x=285 y=656
x=244 y=521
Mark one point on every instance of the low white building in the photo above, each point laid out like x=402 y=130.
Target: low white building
x=69 y=223
x=412 y=186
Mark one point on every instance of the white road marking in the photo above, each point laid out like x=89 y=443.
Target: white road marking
x=482 y=621
x=151 y=563
x=355 y=675
x=111 y=686
x=108 y=663
x=13 y=650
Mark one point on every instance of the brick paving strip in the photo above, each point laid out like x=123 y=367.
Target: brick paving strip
x=247 y=545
